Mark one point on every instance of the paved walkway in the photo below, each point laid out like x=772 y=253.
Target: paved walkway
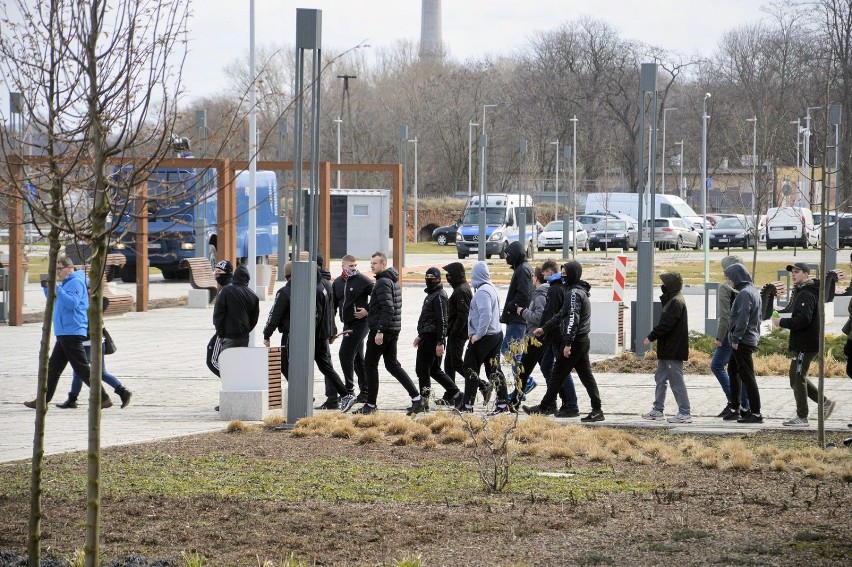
x=161 y=359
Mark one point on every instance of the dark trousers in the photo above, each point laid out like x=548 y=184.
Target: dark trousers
x=578 y=360
x=334 y=386
x=543 y=355
x=428 y=365
x=67 y=350
x=386 y=350
x=741 y=373
x=484 y=351
x=351 y=355
x=285 y=356
x=454 y=356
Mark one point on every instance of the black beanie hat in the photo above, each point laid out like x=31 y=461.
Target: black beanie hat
x=434 y=273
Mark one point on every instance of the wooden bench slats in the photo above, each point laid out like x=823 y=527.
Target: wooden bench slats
x=274 y=366
x=201 y=275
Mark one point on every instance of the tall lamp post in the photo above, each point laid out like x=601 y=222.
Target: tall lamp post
x=573 y=197
x=338 y=122
x=680 y=179
x=470 y=126
x=704 y=119
x=753 y=167
x=416 y=225
x=556 y=200
x=798 y=123
x=663 y=187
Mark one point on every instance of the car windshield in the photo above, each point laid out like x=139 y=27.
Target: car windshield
x=609 y=224
x=493 y=215
x=731 y=223
x=554 y=226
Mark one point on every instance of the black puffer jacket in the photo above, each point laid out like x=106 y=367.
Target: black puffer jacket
x=279 y=315
x=385 y=314
x=237 y=307
x=458 y=305
x=577 y=323
x=550 y=318
x=804 y=321
x=521 y=287
x=325 y=326
x=351 y=293
x=433 y=316
x=672 y=332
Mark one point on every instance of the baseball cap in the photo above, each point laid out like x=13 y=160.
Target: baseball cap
x=799 y=266
x=225 y=266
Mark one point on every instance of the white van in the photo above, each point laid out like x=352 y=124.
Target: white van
x=790 y=226
x=502 y=213
x=667 y=206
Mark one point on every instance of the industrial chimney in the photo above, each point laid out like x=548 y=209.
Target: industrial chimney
x=431 y=44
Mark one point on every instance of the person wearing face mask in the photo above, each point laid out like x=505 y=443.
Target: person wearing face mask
x=431 y=336
x=223 y=271
x=352 y=291
x=458 y=308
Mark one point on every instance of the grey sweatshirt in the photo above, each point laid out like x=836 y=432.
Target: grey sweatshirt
x=484 y=317
x=726 y=296
x=532 y=314
x=744 y=325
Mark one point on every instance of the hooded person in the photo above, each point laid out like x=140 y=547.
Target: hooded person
x=519 y=295
x=430 y=341
x=223 y=271
x=572 y=353
x=672 y=336
x=485 y=336
x=722 y=353
x=458 y=308
x=352 y=292
x=744 y=334
x=235 y=314
x=279 y=320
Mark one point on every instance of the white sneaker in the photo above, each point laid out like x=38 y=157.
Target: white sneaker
x=680 y=418
x=654 y=415
x=797 y=422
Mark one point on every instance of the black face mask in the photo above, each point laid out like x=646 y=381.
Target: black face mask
x=663 y=289
x=223 y=279
x=431 y=284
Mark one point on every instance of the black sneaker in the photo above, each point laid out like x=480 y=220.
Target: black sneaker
x=725 y=411
x=595 y=415
x=416 y=407
x=462 y=408
x=733 y=414
x=565 y=412
x=501 y=410
x=329 y=404
x=748 y=417
x=539 y=409
x=366 y=409
x=346 y=402
x=70 y=403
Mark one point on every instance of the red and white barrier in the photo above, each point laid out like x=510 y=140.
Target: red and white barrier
x=620 y=277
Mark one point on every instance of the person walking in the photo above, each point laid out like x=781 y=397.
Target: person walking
x=804 y=326
x=572 y=346
x=430 y=340
x=71 y=328
x=744 y=334
x=722 y=352
x=485 y=337
x=458 y=309
x=384 y=318
x=235 y=313
x=352 y=291
x=325 y=330
x=519 y=295
x=279 y=320
x=672 y=336
x=106 y=377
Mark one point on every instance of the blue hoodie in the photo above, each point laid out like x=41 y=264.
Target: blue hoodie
x=484 y=317
x=70 y=315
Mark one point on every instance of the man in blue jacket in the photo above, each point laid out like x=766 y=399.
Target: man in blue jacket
x=71 y=327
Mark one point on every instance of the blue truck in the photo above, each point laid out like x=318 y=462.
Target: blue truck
x=175 y=196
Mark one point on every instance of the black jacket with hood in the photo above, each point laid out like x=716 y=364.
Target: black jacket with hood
x=744 y=326
x=672 y=332
x=458 y=305
x=325 y=327
x=552 y=315
x=351 y=293
x=279 y=315
x=237 y=307
x=576 y=313
x=804 y=321
x=433 y=316
x=385 y=314
x=521 y=286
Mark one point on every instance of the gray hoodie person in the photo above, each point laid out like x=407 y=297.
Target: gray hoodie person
x=744 y=326
x=484 y=317
x=532 y=314
x=726 y=295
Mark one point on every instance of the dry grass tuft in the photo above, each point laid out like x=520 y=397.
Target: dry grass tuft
x=430 y=443
x=439 y=423
x=845 y=472
x=636 y=456
x=398 y=425
x=730 y=446
x=237 y=426
x=371 y=435
x=778 y=465
x=557 y=451
x=741 y=460
x=343 y=430
x=599 y=454
x=690 y=446
x=420 y=432
x=708 y=458
x=453 y=436
x=767 y=451
x=817 y=471
x=406 y=439
x=274 y=421
x=619 y=446
x=370 y=420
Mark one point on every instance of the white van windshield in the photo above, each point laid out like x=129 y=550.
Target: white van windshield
x=493 y=215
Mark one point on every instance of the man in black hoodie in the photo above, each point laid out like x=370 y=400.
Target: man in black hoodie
x=458 y=308
x=325 y=332
x=384 y=317
x=279 y=320
x=431 y=336
x=519 y=295
x=236 y=311
x=352 y=291
x=805 y=329
x=223 y=272
x=744 y=334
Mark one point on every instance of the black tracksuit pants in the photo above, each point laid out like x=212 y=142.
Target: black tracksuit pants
x=579 y=361
x=454 y=356
x=428 y=365
x=386 y=350
x=484 y=351
x=351 y=355
x=741 y=373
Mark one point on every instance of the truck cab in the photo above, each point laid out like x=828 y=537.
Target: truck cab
x=502 y=215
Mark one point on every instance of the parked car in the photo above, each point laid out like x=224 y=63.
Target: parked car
x=674 y=233
x=698 y=221
x=551 y=237
x=734 y=231
x=844 y=236
x=613 y=233
x=590 y=220
x=446 y=234
x=790 y=226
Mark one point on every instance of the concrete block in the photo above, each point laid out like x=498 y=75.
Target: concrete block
x=260 y=292
x=604 y=343
x=604 y=317
x=244 y=368
x=841 y=306
x=198 y=299
x=248 y=405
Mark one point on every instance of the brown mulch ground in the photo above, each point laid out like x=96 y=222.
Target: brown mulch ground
x=698 y=516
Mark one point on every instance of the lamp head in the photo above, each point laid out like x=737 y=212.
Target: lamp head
x=707 y=95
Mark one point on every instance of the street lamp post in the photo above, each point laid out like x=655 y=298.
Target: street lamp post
x=704 y=119
x=573 y=196
x=338 y=121
x=416 y=225
x=470 y=126
x=663 y=187
x=680 y=179
x=798 y=123
x=753 y=168
x=556 y=199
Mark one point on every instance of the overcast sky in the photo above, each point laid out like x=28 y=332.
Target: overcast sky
x=219 y=29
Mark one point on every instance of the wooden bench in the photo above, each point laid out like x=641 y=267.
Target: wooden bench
x=273 y=275
x=201 y=275
x=114 y=303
